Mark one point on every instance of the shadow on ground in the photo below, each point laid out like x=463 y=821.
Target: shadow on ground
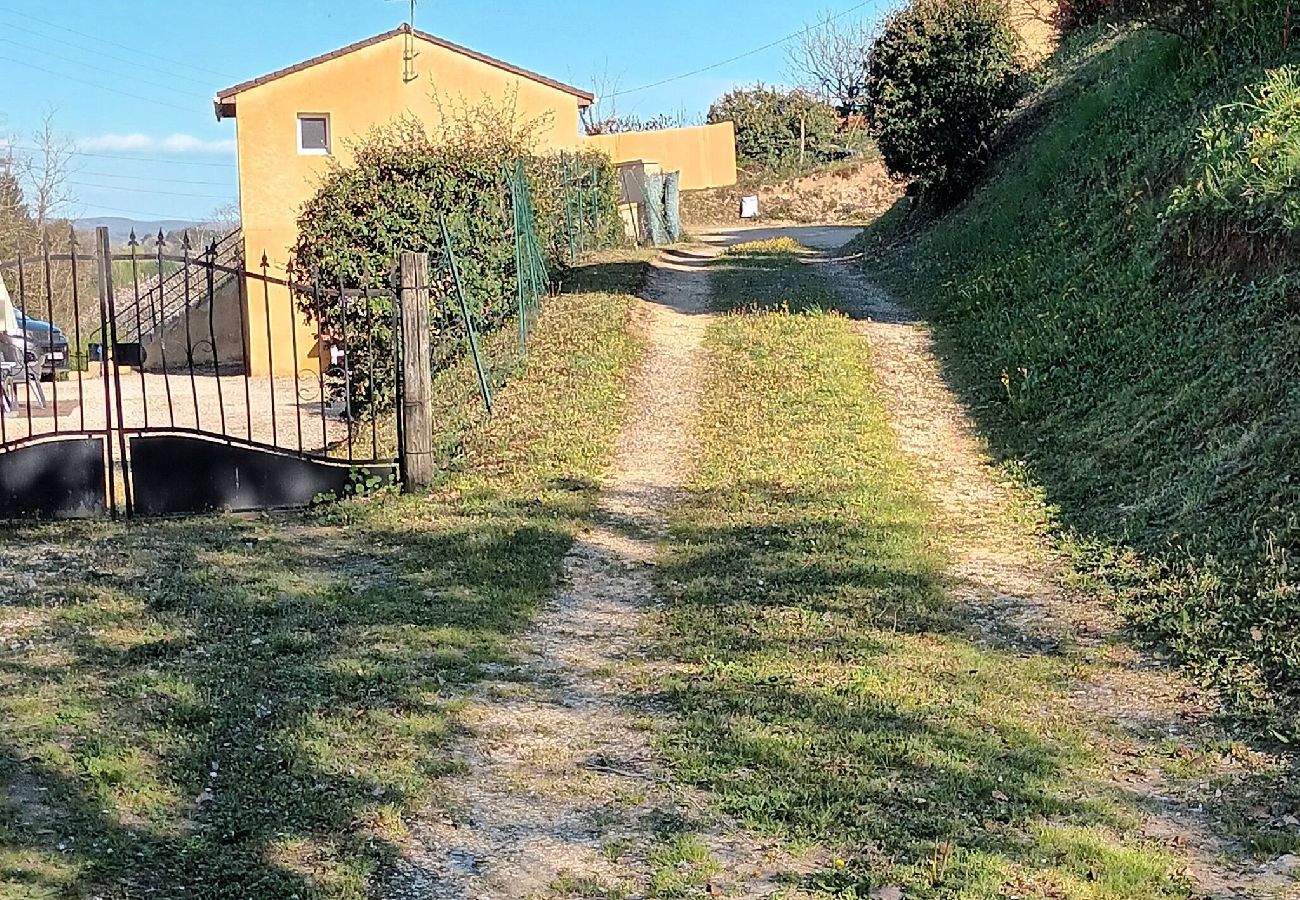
x=243 y=709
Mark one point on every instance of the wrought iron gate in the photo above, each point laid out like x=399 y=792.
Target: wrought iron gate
x=189 y=383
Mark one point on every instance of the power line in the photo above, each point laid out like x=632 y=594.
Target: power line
x=151 y=178
x=740 y=56
x=96 y=84
x=88 y=65
x=100 y=40
x=152 y=159
x=122 y=59
x=132 y=212
x=134 y=190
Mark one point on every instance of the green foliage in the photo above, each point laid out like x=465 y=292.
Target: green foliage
x=778 y=132
x=1073 y=15
x=1151 y=396
x=402 y=182
x=16 y=225
x=1230 y=32
x=942 y=77
x=1247 y=173
x=576 y=197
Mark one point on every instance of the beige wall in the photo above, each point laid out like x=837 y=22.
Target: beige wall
x=705 y=155
x=358 y=90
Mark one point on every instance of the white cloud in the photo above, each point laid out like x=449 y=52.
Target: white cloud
x=117 y=143
x=178 y=144
x=188 y=143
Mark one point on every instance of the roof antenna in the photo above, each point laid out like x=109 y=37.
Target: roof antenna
x=409 y=53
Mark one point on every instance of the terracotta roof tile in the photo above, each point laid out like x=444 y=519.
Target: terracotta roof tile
x=225 y=99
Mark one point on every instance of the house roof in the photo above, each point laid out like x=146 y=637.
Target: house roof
x=225 y=100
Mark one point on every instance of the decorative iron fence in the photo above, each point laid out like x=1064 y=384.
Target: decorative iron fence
x=226 y=400
x=207 y=384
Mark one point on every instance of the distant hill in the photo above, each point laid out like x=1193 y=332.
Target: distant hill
x=119 y=229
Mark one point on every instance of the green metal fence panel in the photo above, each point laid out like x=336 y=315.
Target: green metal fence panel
x=673 y=205
x=656 y=215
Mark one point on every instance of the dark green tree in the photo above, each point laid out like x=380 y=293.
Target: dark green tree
x=942 y=77
x=778 y=132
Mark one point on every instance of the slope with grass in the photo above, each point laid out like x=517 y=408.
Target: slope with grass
x=832 y=690
x=1118 y=304
x=249 y=708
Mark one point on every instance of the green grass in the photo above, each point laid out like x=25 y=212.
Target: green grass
x=832 y=694
x=1125 y=331
x=1247 y=174
x=250 y=707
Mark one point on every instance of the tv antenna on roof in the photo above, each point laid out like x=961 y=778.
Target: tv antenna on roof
x=409 y=53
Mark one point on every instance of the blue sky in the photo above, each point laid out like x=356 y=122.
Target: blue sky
x=116 y=76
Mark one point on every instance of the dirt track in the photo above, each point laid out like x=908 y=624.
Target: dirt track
x=558 y=770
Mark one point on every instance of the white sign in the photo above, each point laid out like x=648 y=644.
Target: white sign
x=749 y=207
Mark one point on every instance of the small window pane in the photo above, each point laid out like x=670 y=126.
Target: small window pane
x=314 y=134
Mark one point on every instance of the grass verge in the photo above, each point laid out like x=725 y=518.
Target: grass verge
x=1118 y=306
x=831 y=694
x=250 y=707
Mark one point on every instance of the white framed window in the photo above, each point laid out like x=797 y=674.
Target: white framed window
x=314 y=134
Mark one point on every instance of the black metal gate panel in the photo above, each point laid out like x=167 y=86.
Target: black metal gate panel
x=61 y=478
x=231 y=476
x=192 y=383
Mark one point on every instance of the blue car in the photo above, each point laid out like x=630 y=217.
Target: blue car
x=45 y=338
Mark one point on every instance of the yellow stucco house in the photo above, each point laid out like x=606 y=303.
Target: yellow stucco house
x=293 y=122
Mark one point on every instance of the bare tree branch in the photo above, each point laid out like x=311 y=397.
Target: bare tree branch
x=46 y=171
x=603 y=113
x=829 y=59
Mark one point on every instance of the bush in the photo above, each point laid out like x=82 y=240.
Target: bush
x=576 y=198
x=1072 y=15
x=942 y=77
x=1229 y=32
x=402 y=181
x=778 y=132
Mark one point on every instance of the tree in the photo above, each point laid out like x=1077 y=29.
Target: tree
x=225 y=218
x=603 y=117
x=829 y=58
x=778 y=131
x=941 y=79
x=46 y=171
x=16 y=227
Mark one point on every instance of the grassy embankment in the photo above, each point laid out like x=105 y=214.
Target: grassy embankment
x=249 y=707
x=834 y=695
x=1118 y=304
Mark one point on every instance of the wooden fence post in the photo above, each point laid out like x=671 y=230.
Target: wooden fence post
x=417 y=377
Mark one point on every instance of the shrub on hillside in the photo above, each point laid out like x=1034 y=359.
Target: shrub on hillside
x=942 y=77
x=1228 y=32
x=1071 y=15
x=778 y=132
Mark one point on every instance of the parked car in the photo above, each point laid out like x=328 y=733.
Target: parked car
x=43 y=337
